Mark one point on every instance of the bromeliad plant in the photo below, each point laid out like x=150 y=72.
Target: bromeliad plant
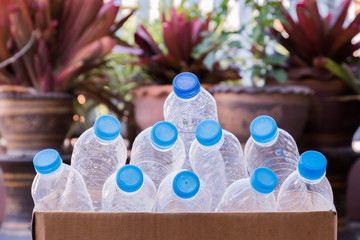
x=49 y=45
x=181 y=36
x=320 y=47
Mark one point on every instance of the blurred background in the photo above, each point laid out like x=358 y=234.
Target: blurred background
x=63 y=63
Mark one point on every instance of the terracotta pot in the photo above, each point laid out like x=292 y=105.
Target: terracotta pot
x=149 y=102
x=333 y=118
x=238 y=106
x=30 y=122
x=18 y=175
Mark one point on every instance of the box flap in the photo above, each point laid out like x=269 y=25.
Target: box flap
x=199 y=226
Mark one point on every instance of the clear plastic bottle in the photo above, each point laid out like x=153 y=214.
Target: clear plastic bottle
x=271 y=147
x=254 y=194
x=57 y=186
x=182 y=191
x=307 y=188
x=128 y=190
x=186 y=106
x=158 y=151
x=217 y=158
x=98 y=153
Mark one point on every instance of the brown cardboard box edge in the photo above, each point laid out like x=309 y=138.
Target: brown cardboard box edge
x=189 y=226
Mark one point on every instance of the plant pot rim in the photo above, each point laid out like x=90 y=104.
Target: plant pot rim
x=159 y=90
x=152 y=90
x=268 y=89
x=36 y=95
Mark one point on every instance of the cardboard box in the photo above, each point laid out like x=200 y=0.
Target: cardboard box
x=189 y=226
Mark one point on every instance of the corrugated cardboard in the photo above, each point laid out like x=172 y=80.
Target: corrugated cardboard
x=189 y=226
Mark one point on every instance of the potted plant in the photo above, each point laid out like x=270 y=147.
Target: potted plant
x=188 y=44
x=240 y=102
x=321 y=57
x=48 y=50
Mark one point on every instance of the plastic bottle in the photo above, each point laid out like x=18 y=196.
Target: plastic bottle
x=307 y=188
x=182 y=191
x=186 y=106
x=217 y=158
x=128 y=190
x=254 y=194
x=98 y=153
x=158 y=151
x=57 y=186
x=271 y=147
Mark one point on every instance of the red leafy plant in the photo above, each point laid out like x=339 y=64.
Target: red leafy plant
x=181 y=36
x=319 y=46
x=47 y=45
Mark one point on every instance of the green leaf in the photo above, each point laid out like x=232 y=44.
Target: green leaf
x=275 y=59
x=274 y=4
x=342 y=71
x=257 y=33
x=279 y=74
x=255 y=71
x=236 y=44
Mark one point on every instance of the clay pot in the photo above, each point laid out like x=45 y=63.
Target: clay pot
x=333 y=117
x=18 y=175
x=239 y=105
x=30 y=122
x=149 y=102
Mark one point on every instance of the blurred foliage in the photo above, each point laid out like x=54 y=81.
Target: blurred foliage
x=320 y=47
x=184 y=39
x=118 y=74
x=265 y=51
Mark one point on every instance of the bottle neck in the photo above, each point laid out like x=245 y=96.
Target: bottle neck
x=188 y=99
x=257 y=194
x=56 y=172
x=162 y=149
x=309 y=181
x=268 y=144
x=131 y=193
x=185 y=199
x=103 y=142
x=216 y=146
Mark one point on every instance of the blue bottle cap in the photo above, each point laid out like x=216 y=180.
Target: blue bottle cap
x=47 y=161
x=163 y=134
x=263 y=129
x=186 y=85
x=312 y=165
x=129 y=178
x=263 y=180
x=186 y=184
x=208 y=132
x=107 y=127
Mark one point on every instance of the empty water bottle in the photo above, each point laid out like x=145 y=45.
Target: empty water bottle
x=217 y=158
x=158 y=151
x=128 y=190
x=186 y=106
x=307 y=189
x=98 y=153
x=182 y=191
x=271 y=147
x=254 y=194
x=57 y=186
